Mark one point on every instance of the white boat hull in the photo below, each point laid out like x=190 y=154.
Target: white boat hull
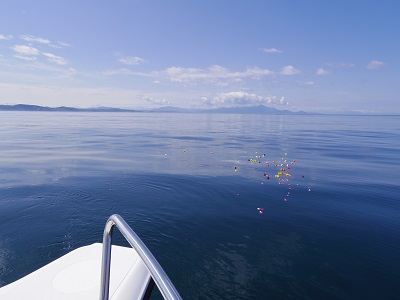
x=76 y=275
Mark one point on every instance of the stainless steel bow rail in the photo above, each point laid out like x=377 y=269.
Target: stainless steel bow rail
x=161 y=279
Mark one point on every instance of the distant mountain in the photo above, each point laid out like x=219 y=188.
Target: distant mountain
x=24 y=107
x=173 y=109
x=28 y=107
x=260 y=109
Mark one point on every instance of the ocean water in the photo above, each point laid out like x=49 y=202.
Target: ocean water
x=195 y=188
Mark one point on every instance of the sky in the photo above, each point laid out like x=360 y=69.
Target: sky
x=309 y=55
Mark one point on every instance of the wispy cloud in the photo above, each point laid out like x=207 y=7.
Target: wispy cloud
x=215 y=74
x=156 y=101
x=25 y=52
x=5 y=37
x=375 y=64
x=272 y=50
x=55 y=59
x=59 y=45
x=130 y=60
x=31 y=38
x=308 y=83
x=290 y=70
x=240 y=98
x=62 y=44
x=321 y=72
x=124 y=71
x=31 y=53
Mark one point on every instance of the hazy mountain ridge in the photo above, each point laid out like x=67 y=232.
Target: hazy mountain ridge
x=260 y=109
x=29 y=107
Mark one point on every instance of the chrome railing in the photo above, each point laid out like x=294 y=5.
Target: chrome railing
x=161 y=279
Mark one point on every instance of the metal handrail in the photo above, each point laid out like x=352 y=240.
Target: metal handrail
x=161 y=279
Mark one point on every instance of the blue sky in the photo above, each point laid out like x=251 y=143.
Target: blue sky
x=311 y=55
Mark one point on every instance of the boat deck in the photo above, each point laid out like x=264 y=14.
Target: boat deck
x=76 y=275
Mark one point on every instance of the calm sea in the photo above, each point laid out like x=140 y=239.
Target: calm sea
x=232 y=206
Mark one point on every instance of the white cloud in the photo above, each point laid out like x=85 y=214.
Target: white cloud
x=31 y=53
x=25 y=57
x=25 y=50
x=55 y=59
x=123 y=71
x=282 y=101
x=130 y=60
x=272 y=50
x=5 y=37
x=322 y=72
x=215 y=74
x=156 y=101
x=31 y=38
x=237 y=98
x=290 y=70
x=62 y=44
x=242 y=99
x=375 y=64
x=308 y=83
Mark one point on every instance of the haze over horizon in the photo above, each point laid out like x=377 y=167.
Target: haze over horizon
x=312 y=56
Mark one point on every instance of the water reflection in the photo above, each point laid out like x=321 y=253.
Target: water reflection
x=172 y=177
